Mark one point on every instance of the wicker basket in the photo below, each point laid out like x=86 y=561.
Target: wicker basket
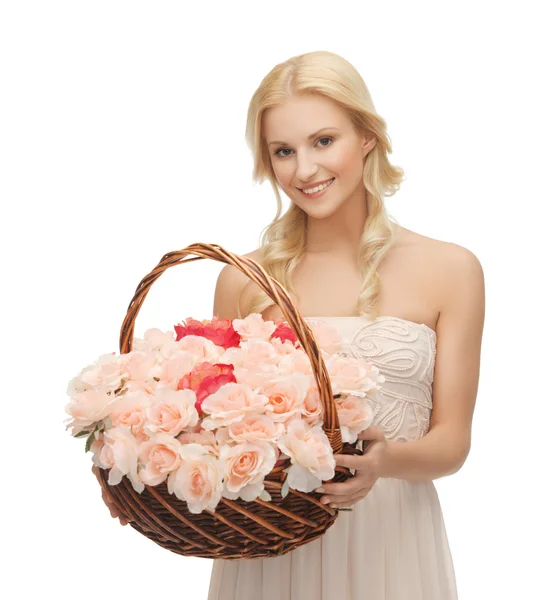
x=237 y=529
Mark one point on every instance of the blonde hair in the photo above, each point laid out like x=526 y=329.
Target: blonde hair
x=282 y=242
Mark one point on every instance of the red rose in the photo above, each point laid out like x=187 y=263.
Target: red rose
x=284 y=332
x=205 y=379
x=219 y=331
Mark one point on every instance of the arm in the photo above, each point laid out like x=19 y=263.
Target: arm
x=444 y=449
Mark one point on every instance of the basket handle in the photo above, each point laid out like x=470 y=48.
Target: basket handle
x=274 y=290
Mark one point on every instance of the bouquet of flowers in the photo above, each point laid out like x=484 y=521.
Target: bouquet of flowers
x=212 y=408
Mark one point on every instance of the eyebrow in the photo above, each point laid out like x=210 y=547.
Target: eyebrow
x=310 y=137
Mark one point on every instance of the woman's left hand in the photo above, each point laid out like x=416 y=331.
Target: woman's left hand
x=368 y=468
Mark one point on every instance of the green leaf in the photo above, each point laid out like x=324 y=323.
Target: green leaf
x=89 y=442
x=81 y=434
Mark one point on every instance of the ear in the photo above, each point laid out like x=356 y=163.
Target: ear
x=368 y=145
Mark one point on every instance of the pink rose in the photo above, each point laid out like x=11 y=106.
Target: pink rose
x=171 y=371
x=159 y=457
x=312 y=410
x=105 y=375
x=326 y=336
x=231 y=402
x=283 y=348
x=119 y=453
x=254 y=326
x=252 y=353
x=202 y=437
x=311 y=455
x=201 y=348
x=286 y=396
x=252 y=428
x=138 y=365
x=353 y=376
x=130 y=410
x=245 y=467
x=171 y=412
x=296 y=362
x=257 y=375
x=199 y=479
x=157 y=343
x=354 y=414
x=87 y=408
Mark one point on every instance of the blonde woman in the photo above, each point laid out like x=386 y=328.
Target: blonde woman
x=411 y=304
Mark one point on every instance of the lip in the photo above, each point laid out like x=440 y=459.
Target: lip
x=312 y=185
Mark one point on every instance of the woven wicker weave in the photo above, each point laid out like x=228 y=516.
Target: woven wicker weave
x=237 y=529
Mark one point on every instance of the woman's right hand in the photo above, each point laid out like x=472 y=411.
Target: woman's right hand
x=114 y=511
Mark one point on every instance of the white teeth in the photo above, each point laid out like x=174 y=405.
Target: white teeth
x=318 y=188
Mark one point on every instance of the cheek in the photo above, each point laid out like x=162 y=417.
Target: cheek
x=346 y=162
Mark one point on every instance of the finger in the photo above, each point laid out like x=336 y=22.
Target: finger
x=360 y=492
x=346 y=488
x=371 y=433
x=347 y=502
x=349 y=461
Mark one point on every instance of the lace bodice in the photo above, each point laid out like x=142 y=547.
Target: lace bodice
x=405 y=353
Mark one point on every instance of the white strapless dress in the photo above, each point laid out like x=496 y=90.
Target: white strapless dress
x=393 y=545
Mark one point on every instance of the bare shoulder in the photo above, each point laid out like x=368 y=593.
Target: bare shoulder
x=231 y=283
x=458 y=282
x=459 y=269
x=451 y=264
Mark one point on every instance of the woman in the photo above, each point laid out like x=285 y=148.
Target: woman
x=411 y=304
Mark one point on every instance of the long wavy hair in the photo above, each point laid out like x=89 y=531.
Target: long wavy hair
x=283 y=241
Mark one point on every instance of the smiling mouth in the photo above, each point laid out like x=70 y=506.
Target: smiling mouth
x=326 y=185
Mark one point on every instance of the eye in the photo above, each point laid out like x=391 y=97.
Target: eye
x=277 y=153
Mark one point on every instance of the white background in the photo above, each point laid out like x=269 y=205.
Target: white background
x=122 y=138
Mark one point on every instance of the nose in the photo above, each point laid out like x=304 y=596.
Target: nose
x=306 y=167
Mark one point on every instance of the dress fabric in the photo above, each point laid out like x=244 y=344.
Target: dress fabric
x=393 y=545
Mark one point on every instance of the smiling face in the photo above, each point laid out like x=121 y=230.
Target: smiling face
x=335 y=151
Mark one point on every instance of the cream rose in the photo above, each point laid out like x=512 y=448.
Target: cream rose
x=286 y=396
x=254 y=326
x=231 y=402
x=252 y=428
x=311 y=456
x=354 y=415
x=199 y=479
x=326 y=336
x=171 y=371
x=171 y=411
x=245 y=467
x=354 y=376
x=201 y=348
x=87 y=408
x=160 y=456
x=120 y=454
x=105 y=375
x=156 y=342
x=296 y=362
x=202 y=437
x=130 y=410
x=312 y=410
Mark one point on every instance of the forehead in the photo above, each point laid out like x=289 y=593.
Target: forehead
x=300 y=116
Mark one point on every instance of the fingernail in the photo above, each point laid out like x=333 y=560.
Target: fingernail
x=320 y=490
x=325 y=500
